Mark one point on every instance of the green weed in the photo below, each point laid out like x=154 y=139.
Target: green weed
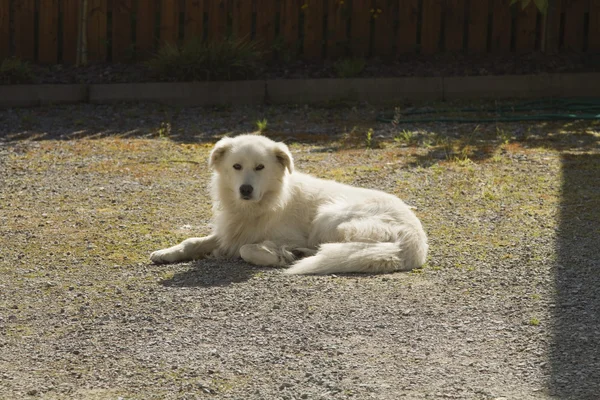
x=195 y=60
x=262 y=125
x=14 y=71
x=349 y=67
x=369 y=138
x=164 y=130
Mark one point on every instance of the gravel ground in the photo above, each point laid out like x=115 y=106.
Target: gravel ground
x=507 y=307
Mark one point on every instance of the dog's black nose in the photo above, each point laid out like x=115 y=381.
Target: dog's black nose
x=246 y=190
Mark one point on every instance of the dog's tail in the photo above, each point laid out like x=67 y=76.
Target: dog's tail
x=376 y=257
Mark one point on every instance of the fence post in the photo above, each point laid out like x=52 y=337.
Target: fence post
x=594 y=30
x=4 y=31
x=454 y=23
x=478 y=26
x=574 y=24
x=97 y=32
x=289 y=26
x=122 y=44
x=337 y=20
x=360 y=28
x=408 y=15
x=501 y=26
x=431 y=25
x=169 y=22
x=145 y=35
x=24 y=32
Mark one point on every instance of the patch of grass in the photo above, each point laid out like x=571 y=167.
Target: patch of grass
x=349 y=67
x=15 y=71
x=406 y=137
x=195 y=60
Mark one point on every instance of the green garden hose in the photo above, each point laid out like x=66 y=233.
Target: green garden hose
x=568 y=110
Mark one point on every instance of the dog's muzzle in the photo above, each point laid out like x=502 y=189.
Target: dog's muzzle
x=246 y=192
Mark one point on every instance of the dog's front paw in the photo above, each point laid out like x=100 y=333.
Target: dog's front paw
x=164 y=256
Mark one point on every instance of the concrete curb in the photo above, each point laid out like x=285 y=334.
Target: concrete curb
x=523 y=86
x=181 y=93
x=282 y=91
x=308 y=91
x=498 y=87
x=37 y=95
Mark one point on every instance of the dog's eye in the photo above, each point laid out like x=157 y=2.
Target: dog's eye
x=237 y=166
x=259 y=167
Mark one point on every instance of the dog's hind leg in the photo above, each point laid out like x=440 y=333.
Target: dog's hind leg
x=189 y=249
x=266 y=254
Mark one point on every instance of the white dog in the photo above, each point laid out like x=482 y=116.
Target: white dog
x=270 y=215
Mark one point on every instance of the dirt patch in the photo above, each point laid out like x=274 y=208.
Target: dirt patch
x=409 y=66
x=508 y=305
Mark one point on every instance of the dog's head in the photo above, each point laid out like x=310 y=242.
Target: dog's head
x=249 y=168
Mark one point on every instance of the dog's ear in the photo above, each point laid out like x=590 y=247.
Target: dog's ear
x=284 y=157
x=217 y=153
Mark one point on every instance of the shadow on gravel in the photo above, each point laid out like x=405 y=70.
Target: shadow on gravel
x=575 y=352
x=156 y=121
x=480 y=146
x=207 y=273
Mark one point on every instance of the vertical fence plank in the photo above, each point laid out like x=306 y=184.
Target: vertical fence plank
x=24 y=34
x=384 y=12
x=266 y=12
x=360 y=28
x=526 y=28
x=478 y=26
x=313 y=29
x=337 y=28
x=574 y=24
x=594 y=30
x=552 y=26
x=217 y=19
x=242 y=19
x=408 y=14
x=454 y=24
x=169 y=22
x=194 y=19
x=145 y=33
x=122 y=41
x=4 y=31
x=48 y=32
x=97 y=32
x=431 y=26
x=501 y=26
x=289 y=27
x=70 y=22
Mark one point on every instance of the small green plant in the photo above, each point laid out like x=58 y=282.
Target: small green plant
x=504 y=136
x=534 y=322
x=14 y=71
x=228 y=59
x=164 y=130
x=349 y=67
x=369 y=138
x=261 y=125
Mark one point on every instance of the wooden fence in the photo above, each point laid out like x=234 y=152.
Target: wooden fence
x=45 y=31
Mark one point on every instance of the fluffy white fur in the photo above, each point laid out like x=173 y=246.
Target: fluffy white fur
x=319 y=226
